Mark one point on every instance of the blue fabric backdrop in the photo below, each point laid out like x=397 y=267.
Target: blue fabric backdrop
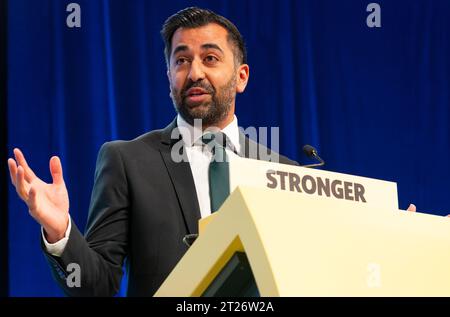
x=374 y=101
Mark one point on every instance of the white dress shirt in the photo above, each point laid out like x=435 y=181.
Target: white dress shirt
x=199 y=160
x=58 y=247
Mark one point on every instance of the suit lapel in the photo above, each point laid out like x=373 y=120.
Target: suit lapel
x=253 y=150
x=248 y=148
x=183 y=182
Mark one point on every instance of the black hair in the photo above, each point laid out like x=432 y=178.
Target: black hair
x=194 y=17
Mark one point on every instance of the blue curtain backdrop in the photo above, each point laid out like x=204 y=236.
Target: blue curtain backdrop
x=374 y=101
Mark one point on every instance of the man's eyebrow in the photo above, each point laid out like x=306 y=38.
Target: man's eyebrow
x=180 y=48
x=206 y=46
x=212 y=46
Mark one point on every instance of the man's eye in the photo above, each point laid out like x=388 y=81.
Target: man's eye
x=180 y=61
x=211 y=59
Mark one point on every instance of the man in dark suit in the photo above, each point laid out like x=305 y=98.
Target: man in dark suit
x=144 y=200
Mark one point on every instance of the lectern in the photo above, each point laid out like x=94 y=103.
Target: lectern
x=296 y=240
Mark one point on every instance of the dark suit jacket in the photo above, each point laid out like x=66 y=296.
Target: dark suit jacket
x=142 y=205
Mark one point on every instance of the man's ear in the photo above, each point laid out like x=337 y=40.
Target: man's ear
x=242 y=78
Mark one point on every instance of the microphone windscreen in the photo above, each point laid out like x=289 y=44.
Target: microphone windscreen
x=309 y=150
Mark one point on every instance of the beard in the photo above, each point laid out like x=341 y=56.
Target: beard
x=211 y=111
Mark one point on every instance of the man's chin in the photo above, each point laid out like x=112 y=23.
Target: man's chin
x=198 y=111
x=203 y=111
x=203 y=106
x=204 y=116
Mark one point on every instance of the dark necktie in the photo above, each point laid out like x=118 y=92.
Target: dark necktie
x=219 y=181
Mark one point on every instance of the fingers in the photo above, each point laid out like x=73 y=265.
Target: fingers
x=413 y=208
x=18 y=179
x=56 y=170
x=20 y=158
x=12 y=170
x=22 y=187
x=31 y=202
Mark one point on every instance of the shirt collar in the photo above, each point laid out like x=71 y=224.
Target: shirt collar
x=191 y=134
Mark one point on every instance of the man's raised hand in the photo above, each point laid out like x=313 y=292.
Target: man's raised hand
x=48 y=204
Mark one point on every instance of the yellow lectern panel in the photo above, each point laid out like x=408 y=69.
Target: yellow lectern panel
x=303 y=246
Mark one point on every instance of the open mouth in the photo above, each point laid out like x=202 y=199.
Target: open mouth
x=197 y=98
x=196 y=95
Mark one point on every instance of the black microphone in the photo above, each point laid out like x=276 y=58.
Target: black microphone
x=311 y=152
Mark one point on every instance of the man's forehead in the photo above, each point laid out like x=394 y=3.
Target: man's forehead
x=192 y=37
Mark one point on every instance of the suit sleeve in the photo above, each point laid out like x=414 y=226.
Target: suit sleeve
x=101 y=252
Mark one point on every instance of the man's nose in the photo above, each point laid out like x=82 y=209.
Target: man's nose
x=196 y=72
